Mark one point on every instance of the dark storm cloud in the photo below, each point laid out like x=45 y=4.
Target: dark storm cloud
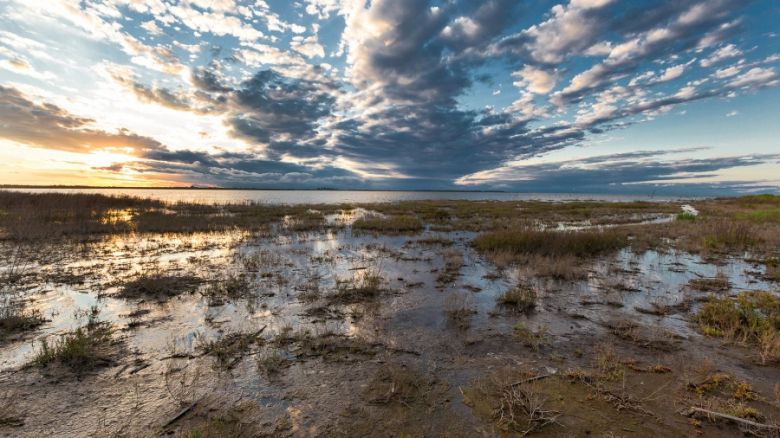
x=271 y=106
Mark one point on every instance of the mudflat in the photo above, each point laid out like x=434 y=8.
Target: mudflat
x=123 y=316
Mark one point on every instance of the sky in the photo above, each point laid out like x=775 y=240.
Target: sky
x=585 y=96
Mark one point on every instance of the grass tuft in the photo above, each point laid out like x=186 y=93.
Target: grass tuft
x=83 y=349
x=521 y=298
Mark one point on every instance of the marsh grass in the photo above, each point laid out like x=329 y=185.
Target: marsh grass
x=159 y=286
x=686 y=216
x=86 y=348
x=751 y=318
x=228 y=348
x=524 y=242
x=311 y=220
x=521 y=298
x=395 y=383
x=365 y=285
x=719 y=283
x=271 y=361
x=533 y=339
x=218 y=426
x=229 y=287
x=434 y=241
x=47 y=216
x=388 y=225
x=459 y=309
x=772 y=268
x=730 y=235
x=452 y=260
x=15 y=316
x=515 y=400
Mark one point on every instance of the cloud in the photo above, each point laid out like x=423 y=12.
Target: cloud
x=382 y=92
x=635 y=172
x=680 y=33
x=672 y=73
x=308 y=46
x=725 y=52
x=756 y=77
x=45 y=125
x=535 y=79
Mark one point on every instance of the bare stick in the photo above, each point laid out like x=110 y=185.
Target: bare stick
x=732 y=418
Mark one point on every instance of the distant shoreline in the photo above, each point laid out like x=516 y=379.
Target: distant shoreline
x=324 y=189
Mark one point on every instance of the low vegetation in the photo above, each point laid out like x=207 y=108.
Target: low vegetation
x=232 y=286
x=752 y=318
x=228 y=348
x=86 y=348
x=388 y=225
x=719 y=283
x=363 y=286
x=513 y=400
x=551 y=243
x=521 y=298
x=159 y=286
x=15 y=317
x=459 y=309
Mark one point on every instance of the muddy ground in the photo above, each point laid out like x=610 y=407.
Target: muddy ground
x=320 y=329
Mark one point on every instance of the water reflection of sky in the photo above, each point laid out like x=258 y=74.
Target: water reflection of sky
x=284 y=264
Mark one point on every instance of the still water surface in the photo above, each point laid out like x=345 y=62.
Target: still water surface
x=207 y=196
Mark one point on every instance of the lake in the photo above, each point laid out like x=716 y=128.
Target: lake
x=221 y=196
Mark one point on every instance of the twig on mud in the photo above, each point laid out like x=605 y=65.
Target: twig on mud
x=181 y=413
x=694 y=410
x=532 y=379
x=121 y=370
x=140 y=367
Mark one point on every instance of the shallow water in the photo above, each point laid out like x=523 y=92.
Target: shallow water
x=291 y=197
x=286 y=263
x=293 y=280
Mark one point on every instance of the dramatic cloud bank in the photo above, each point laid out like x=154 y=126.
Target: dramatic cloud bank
x=495 y=94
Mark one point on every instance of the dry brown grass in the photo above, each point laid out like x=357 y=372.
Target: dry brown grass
x=513 y=399
x=30 y=217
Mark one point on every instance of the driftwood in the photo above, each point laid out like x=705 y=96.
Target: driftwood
x=181 y=413
x=694 y=410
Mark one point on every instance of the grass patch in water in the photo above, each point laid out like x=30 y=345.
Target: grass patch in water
x=521 y=298
x=551 y=243
x=392 y=224
x=159 y=286
x=86 y=348
x=686 y=217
